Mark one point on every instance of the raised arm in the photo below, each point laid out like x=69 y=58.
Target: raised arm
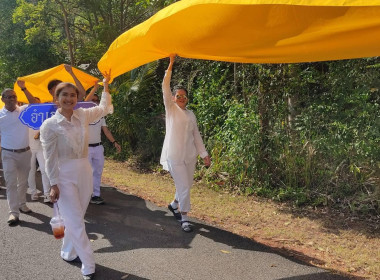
x=172 y=59
x=82 y=91
x=105 y=106
x=29 y=96
x=167 y=93
x=92 y=92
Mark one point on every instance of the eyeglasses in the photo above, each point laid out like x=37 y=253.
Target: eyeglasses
x=181 y=97
x=10 y=97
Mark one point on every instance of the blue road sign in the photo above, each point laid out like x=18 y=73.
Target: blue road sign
x=35 y=114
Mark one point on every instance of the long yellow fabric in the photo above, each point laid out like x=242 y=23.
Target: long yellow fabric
x=37 y=82
x=251 y=31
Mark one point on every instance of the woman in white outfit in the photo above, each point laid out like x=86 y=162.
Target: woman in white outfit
x=182 y=145
x=64 y=140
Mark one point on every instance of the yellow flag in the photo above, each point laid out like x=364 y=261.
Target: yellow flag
x=250 y=31
x=37 y=83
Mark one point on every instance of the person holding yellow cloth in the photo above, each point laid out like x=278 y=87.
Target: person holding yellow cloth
x=64 y=139
x=182 y=145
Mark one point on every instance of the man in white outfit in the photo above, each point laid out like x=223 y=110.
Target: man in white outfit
x=96 y=149
x=37 y=155
x=182 y=145
x=96 y=152
x=15 y=152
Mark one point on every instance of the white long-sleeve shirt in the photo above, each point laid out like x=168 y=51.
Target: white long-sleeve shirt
x=62 y=139
x=183 y=142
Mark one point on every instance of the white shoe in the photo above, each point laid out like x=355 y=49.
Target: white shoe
x=31 y=191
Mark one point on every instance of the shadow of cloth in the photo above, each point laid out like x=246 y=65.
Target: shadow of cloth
x=128 y=223
x=103 y=272
x=319 y=276
x=239 y=242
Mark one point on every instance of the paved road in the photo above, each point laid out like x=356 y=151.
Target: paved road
x=135 y=239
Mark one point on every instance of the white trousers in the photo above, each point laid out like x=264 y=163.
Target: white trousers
x=96 y=159
x=38 y=154
x=75 y=186
x=183 y=175
x=16 y=168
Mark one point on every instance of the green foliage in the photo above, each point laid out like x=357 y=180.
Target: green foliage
x=307 y=133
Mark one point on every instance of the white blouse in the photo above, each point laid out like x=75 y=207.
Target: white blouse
x=62 y=139
x=183 y=142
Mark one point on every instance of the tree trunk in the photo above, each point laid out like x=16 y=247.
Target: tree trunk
x=263 y=110
x=67 y=30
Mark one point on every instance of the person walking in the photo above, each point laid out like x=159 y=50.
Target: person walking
x=15 y=152
x=96 y=149
x=182 y=145
x=37 y=156
x=64 y=139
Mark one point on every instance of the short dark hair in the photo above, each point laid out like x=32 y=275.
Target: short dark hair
x=61 y=86
x=53 y=83
x=179 y=87
x=5 y=91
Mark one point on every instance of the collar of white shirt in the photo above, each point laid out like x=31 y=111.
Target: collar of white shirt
x=16 y=110
x=61 y=118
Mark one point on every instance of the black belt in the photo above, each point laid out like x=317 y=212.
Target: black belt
x=16 y=150
x=95 y=145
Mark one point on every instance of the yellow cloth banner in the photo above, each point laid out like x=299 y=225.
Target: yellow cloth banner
x=251 y=31
x=37 y=83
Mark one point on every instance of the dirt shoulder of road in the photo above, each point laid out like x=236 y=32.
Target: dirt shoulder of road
x=329 y=239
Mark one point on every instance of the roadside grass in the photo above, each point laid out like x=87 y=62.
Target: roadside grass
x=322 y=237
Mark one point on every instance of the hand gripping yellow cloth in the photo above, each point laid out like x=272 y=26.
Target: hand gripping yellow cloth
x=37 y=83
x=251 y=31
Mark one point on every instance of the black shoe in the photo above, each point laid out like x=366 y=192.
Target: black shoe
x=186 y=226
x=177 y=214
x=89 y=276
x=96 y=200
x=13 y=220
x=76 y=260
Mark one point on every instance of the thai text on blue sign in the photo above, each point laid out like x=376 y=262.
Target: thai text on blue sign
x=35 y=114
